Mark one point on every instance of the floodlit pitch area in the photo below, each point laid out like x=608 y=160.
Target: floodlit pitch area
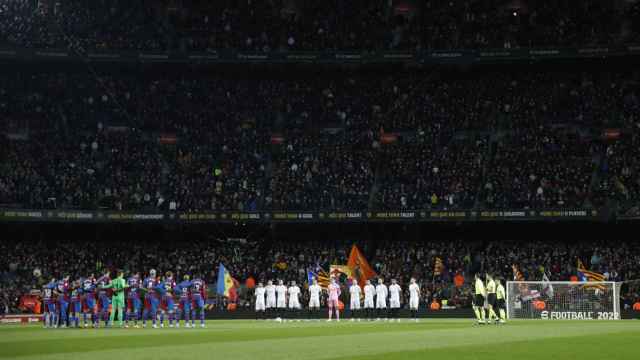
x=264 y=340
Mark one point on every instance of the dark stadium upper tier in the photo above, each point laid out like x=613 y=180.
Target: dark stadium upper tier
x=266 y=26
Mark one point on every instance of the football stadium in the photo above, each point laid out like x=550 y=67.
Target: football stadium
x=339 y=179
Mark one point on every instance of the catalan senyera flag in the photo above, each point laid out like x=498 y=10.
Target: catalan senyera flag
x=320 y=275
x=360 y=268
x=227 y=285
x=517 y=275
x=589 y=276
x=438 y=266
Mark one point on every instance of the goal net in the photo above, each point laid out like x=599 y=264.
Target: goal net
x=563 y=300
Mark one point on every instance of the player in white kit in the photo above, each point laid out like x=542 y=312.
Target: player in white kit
x=354 y=297
x=414 y=299
x=281 y=302
x=369 y=294
x=271 y=297
x=314 y=297
x=394 y=299
x=260 y=304
x=334 y=295
x=381 y=298
x=294 y=300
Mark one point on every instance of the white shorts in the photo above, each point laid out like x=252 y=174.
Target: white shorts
x=314 y=303
x=413 y=303
x=355 y=304
x=260 y=305
x=381 y=304
x=281 y=303
x=294 y=304
x=271 y=303
x=394 y=303
x=368 y=303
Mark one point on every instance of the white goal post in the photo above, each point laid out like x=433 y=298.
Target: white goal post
x=563 y=300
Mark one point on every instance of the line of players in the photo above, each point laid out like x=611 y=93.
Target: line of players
x=281 y=301
x=489 y=296
x=150 y=298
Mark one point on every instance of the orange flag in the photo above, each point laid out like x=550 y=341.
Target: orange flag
x=360 y=267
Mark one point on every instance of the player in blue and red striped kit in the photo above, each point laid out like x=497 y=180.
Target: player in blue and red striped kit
x=104 y=297
x=198 y=297
x=49 y=300
x=184 y=290
x=134 y=304
x=89 y=299
x=76 y=302
x=62 y=294
x=165 y=289
x=151 y=299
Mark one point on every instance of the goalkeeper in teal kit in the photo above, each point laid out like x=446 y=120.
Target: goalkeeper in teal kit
x=117 y=299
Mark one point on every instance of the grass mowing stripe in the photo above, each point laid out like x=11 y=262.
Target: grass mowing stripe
x=615 y=346
x=88 y=340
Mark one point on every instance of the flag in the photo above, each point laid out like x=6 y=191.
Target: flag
x=547 y=288
x=529 y=295
x=360 y=267
x=319 y=274
x=310 y=276
x=517 y=275
x=227 y=285
x=341 y=272
x=588 y=276
x=438 y=267
x=525 y=293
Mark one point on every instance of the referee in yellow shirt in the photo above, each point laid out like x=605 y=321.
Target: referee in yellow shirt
x=501 y=297
x=491 y=298
x=478 y=299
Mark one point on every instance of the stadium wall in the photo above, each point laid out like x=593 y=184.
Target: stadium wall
x=440 y=314
x=245 y=314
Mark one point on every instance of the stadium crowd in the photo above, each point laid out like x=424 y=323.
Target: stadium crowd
x=346 y=141
x=265 y=26
x=621 y=173
x=553 y=170
x=28 y=267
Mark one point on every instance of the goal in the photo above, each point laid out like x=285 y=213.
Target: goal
x=563 y=300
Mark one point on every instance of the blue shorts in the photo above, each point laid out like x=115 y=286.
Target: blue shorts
x=63 y=305
x=90 y=303
x=76 y=306
x=152 y=303
x=104 y=303
x=134 y=304
x=198 y=302
x=169 y=303
x=51 y=307
x=186 y=304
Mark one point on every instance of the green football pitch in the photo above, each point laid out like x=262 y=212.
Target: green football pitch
x=264 y=340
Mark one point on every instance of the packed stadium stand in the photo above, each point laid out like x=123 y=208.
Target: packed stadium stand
x=219 y=142
x=261 y=256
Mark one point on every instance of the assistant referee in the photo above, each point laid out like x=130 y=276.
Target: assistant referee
x=478 y=299
x=500 y=297
x=491 y=298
